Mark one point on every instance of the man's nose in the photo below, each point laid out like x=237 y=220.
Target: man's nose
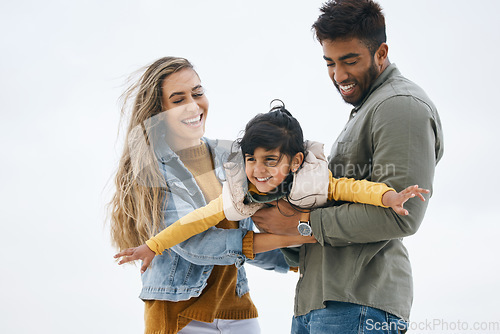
x=340 y=74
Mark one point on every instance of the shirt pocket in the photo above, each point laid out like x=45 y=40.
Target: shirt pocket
x=342 y=152
x=349 y=160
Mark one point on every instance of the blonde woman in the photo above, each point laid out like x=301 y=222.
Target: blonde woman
x=167 y=170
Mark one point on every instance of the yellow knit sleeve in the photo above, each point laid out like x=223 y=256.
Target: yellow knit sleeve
x=191 y=224
x=357 y=191
x=247 y=245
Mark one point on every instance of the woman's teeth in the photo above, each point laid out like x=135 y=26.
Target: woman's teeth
x=192 y=120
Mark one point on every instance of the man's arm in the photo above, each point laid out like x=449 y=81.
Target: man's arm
x=404 y=134
x=404 y=153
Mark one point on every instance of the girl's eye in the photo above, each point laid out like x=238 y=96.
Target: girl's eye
x=271 y=162
x=178 y=101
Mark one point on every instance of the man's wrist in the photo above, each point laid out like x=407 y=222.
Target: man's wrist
x=304 y=226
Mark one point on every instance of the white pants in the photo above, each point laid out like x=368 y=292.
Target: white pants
x=221 y=326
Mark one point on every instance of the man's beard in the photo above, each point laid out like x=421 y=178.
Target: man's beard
x=369 y=77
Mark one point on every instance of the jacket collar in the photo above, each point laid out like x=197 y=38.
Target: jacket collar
x=164 y=154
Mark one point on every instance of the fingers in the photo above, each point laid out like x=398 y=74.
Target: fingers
x=127 y=259
x=127 y=255
x=413 y=191
x=406 y=194
x=401 y=211
x=128 y=251
x=421 y=197
x=145 y=265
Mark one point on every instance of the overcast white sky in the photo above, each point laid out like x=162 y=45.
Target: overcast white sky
x=63 y=65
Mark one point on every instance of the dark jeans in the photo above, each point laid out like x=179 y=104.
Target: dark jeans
x=347 y=318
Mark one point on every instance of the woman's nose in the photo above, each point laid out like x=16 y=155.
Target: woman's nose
x=192 y=107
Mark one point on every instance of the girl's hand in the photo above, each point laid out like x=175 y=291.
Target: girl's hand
x=137 y=253
x=396 y=200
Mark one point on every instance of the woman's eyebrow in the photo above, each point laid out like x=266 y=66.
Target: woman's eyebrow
x=175 y=94
x=183 y=93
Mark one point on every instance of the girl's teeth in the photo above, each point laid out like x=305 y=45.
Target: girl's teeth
x=263 y=179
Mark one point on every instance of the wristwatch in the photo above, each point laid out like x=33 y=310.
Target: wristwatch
x=304 y=226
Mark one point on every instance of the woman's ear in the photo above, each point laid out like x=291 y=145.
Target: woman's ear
x=296 y=162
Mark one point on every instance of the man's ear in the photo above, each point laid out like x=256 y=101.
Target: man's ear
x=381 y=55
x=296 y=161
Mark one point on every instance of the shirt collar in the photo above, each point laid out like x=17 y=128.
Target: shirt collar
x=389 y=72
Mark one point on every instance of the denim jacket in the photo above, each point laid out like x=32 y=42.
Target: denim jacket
x=181 y=272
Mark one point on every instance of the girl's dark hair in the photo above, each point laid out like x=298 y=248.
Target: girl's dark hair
x=343 y=19
x=276 y=129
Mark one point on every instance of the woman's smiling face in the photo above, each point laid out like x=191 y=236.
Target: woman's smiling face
x=185 y=109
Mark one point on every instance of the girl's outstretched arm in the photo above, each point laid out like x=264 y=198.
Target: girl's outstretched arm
x=263 y=242
x=396 y=200
x=193 y=223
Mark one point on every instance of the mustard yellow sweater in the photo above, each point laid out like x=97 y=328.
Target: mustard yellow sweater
x=218 y=299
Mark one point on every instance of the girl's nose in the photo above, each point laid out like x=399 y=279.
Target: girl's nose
x=259 y=168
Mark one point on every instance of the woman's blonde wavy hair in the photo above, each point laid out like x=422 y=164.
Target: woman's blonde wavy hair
x=136 y=207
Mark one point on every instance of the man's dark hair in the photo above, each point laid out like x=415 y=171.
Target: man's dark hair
x=345 y=19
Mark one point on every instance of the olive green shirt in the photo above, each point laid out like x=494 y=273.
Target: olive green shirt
x=393 y=137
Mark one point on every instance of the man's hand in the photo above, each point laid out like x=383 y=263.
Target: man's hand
x=281 y=219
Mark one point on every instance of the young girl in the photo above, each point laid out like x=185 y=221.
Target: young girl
x=277 y=165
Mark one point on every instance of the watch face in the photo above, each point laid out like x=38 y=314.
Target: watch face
x=304 y=229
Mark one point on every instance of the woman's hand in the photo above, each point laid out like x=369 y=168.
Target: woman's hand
x=137 y=253
x=396 y=200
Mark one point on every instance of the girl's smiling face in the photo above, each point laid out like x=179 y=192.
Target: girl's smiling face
x=268 y=169
x=186 y=107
